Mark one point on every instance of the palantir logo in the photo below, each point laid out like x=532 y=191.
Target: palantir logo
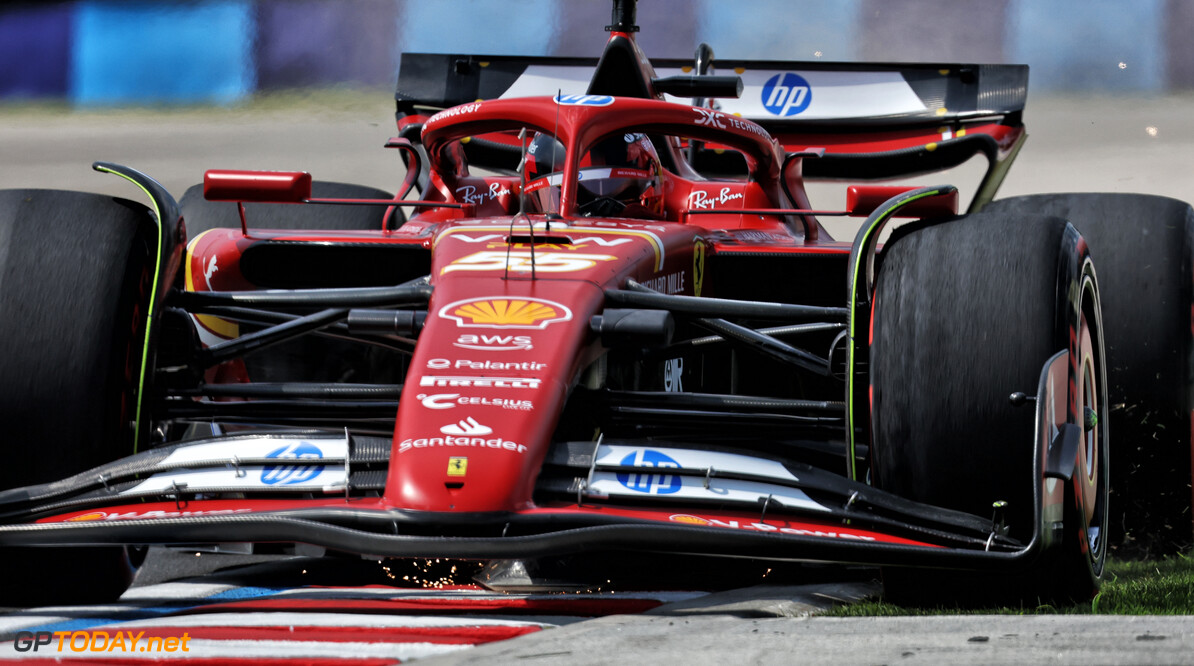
x=786 y=94
x=289 y=474
x=652 y=484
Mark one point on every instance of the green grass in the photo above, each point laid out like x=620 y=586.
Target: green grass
x=1159 y=587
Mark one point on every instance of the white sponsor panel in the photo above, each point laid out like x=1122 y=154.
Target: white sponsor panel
x=615 y=454
x=832 y=95
x=328 y=477
x=688 y=487
x=331 y=450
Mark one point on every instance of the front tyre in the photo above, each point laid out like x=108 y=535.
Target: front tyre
x=75 y=281
x=966 y=313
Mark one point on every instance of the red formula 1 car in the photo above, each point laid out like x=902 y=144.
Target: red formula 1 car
x=610 y=323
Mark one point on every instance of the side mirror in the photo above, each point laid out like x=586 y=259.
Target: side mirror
x=257 y=186
x=862 y=200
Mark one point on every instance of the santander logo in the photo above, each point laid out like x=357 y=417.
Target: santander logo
x=467 y=426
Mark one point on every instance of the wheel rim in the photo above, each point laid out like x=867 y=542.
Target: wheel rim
x=1091 y=480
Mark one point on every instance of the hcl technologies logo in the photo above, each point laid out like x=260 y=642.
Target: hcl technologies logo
x=786 y=94
x=290 y=474
x=653 y=484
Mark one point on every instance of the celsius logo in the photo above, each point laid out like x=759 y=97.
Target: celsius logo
x=292 y=474
x=652 y=484
x=584 y=100
x=786 y=94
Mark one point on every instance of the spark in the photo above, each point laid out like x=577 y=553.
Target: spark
x=1150 y=130
x=1123 y=65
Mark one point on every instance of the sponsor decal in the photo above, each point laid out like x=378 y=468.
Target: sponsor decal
x=583 y=100
x=703 y=200
x=497 y=312
x=708 y=117
x=465 y=441
x=753 y=236
x=673 y=375
x=481 y=382
x=701 y=460
x=450 y=400
x=651 y=484
x=453 y=112
x=210 y=270
x=786 y=94
x=495 y=342
x=457 y=466
x=688 y=519
x=139 y=515
x=673 y=283
x=698 y=266
x=593 y=231
x=524 y=262
x=458 y=364
x=468 y=426
x=470 y=194
x=722 y=121
x=495 y=241
x=290 y=474
x=100 y=641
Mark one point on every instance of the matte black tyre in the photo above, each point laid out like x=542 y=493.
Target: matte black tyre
x=75 y=277
x=201 y=214
x=966 y=313
x=1144 y=248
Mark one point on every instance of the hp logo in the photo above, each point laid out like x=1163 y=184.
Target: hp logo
x=652 y=484
x=584 y=100
x=291 y=474
x=786 y=94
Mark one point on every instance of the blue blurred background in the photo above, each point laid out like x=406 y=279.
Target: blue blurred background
x=132 y=52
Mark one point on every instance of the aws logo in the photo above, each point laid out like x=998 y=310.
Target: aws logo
x=506 y=313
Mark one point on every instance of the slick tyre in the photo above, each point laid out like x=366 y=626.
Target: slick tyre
x=75 y=280
x=966 y=313
x=1144 y=249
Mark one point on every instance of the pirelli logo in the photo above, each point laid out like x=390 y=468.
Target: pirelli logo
x=481 y=382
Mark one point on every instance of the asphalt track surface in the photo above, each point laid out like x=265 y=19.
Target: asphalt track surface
x=1075 y=144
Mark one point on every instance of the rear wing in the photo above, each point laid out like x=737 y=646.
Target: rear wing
x=867 y=116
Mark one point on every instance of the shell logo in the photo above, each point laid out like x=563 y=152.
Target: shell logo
x=505 y=312
x=689 y=520
x=94 y=515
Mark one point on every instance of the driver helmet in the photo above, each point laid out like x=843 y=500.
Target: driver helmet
x=620 y=176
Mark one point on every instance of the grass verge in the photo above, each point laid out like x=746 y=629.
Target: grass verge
x=1157 y=587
